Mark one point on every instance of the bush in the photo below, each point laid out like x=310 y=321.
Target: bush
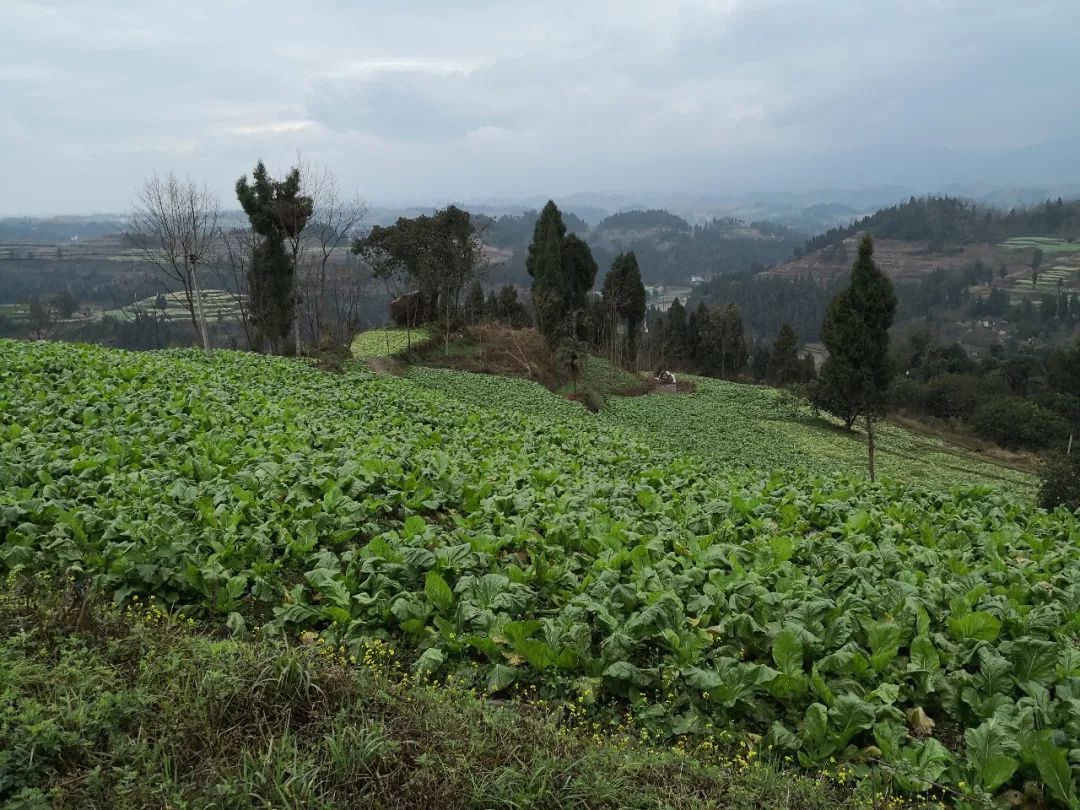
x=1065 y=405
x=953 y=396
x=571 y=360
x=1059 y=482
x=1017 y=423
x=908 y=392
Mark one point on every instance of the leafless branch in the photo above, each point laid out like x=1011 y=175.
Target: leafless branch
x=174 y=226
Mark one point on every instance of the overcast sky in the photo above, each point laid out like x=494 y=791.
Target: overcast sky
x=455 y=100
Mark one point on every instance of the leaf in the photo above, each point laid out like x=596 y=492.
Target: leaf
x=820 y=688
x=780 y=736
x=438 y=591
x=1034 y=660
x=500 y=677
x=625 y=671
x=787 y=652
x=976 y=626
x=701 y=680
x=236 y=585
x=817 y=743
x=850 y=715
x=923 y=656
x=884 y=638
x=325 y=582
x=920 y=723
x=1053 y=765
x=430 y=661
x=236 y=624
x=414 y=526
x=782 y=548
x=989 y=748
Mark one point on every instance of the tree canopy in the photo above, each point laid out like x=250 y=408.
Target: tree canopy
x=277 y=211
x=855 y=378
x=563 y=271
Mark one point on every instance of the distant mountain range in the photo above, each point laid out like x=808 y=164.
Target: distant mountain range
x=809 y=211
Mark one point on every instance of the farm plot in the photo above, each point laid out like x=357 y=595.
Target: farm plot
x=388 y=342
x=218 y=305
x=734 y=426
x=922 y=637
x=1048 y=244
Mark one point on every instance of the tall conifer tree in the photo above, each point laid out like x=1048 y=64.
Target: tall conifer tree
x=563 y=271
x=855 y=378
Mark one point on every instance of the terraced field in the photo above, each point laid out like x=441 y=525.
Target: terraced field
x=217 y=305
x=1049 y=244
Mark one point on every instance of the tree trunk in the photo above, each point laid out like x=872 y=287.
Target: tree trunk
x=199 y=310
x=870 y=447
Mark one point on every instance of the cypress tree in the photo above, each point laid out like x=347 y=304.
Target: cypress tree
x=563 y=271
x=624 y=296
x=578 y=276
x=785 y=355
x=276 y=210
x=855 y=378
x=731 y=336
x=544 y=263
x=676 y=333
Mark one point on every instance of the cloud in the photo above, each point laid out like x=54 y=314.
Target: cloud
x=460 y=98
x=409 y=102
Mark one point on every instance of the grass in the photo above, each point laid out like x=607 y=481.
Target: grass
x=110 y=709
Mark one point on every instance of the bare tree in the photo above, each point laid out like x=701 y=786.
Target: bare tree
x=348 y=282
x=236 y=246
x=40 y=317
x=321 y=271
x=174 y=225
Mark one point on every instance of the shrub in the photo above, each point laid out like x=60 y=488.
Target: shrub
x=1059 y=482
x=1017 y=423
x=953 y=396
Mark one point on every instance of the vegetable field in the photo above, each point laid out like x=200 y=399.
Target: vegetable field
x=926 y=638
x=388 y=342
x=730 y=426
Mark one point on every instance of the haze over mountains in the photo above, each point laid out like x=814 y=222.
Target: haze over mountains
x=808 y=211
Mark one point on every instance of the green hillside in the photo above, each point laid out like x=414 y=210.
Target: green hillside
x=671 y=567
x=733 y=426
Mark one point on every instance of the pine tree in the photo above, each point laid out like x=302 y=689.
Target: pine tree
x=785 y=356
x=855 y=378
x=510 y=309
